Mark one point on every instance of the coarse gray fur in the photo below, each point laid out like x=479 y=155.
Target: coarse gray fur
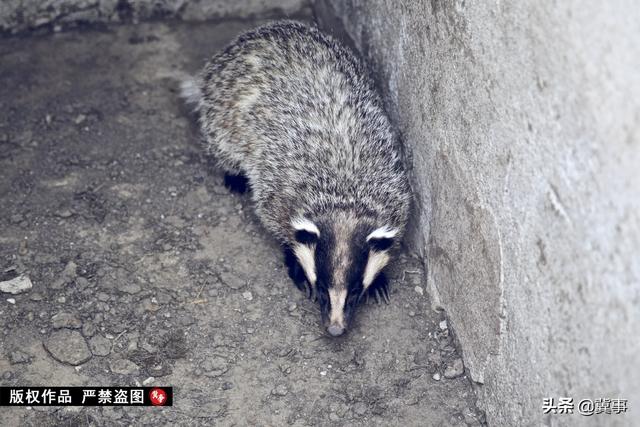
x=296 y=113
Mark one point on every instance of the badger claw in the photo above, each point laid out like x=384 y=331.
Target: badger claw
x=379 y=290
x=384 y=292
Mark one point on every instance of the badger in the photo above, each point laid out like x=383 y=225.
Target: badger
x=292 y=115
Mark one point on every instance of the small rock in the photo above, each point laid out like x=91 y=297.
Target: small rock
x=36 y=297
x=131 y=288
x=159 y=370
x=454 y=369
x=82 y=283
x=17 y=285
x=89 y=329
x=247 y=295
x=18 y=356
x=215 y=366
x=11 y=300
x=280 y=390
x=69 y=271
x=63 y=213
x=360 y=408
x=334 y=417
x=147 y=304
x=443 y=325
x=68 y=346
x=436 y=376
x=232 y=280
x=80 y=118
x=148 y=381
x=419 y=290
x=65 y=320
x=124 y=367
x=100 y=346
x=292 y=307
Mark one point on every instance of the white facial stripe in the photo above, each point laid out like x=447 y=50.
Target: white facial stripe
x=305 y=224
x=337 y=297
x=305 y=255
x=385 y=232
x=376 y=262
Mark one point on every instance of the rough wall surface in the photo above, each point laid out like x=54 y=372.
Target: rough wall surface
x=521 y=122
x=19 y=15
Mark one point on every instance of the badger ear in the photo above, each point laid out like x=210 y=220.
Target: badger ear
x=382 y=238
x=306 y=232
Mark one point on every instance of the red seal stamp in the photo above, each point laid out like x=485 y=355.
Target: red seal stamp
x=158 y=396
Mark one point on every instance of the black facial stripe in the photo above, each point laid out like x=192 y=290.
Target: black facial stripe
x=324 y=263
x=306 y=237
x=380 y=244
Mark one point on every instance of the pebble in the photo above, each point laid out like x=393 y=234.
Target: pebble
x=436 y=376
x=419 y=290
x=100 y=346
x=454 y=369
x=17 y=285
x=360 y=408
x=247 y=295
x=443 y=325
x=67 y=346
x=280 y=390
x=215 y=366
x=63 y=213
x=148 y=381
x=70 y=270
x=65 y=320
x=11 y=300
x=18 y=356
x=292 y=307
x=88 y=329
x=124 y=367
x=131 y=288
x=232 y=280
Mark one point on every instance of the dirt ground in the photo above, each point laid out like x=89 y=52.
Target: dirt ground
x=146 y=270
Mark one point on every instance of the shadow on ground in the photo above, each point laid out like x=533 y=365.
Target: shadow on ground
x=146 y=270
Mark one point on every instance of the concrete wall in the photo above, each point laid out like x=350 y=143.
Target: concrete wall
x=522 y=127
x=20 y=15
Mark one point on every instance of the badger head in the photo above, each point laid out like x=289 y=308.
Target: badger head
x=341 y=260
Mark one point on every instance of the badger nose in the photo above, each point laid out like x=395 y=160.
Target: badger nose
x=335 y=330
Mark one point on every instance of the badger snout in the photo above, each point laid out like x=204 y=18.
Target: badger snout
x=335 y=330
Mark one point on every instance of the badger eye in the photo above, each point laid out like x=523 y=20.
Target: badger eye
x=380 y=244
x=306 y=237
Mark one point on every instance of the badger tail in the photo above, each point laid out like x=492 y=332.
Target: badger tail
x=191 y=92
